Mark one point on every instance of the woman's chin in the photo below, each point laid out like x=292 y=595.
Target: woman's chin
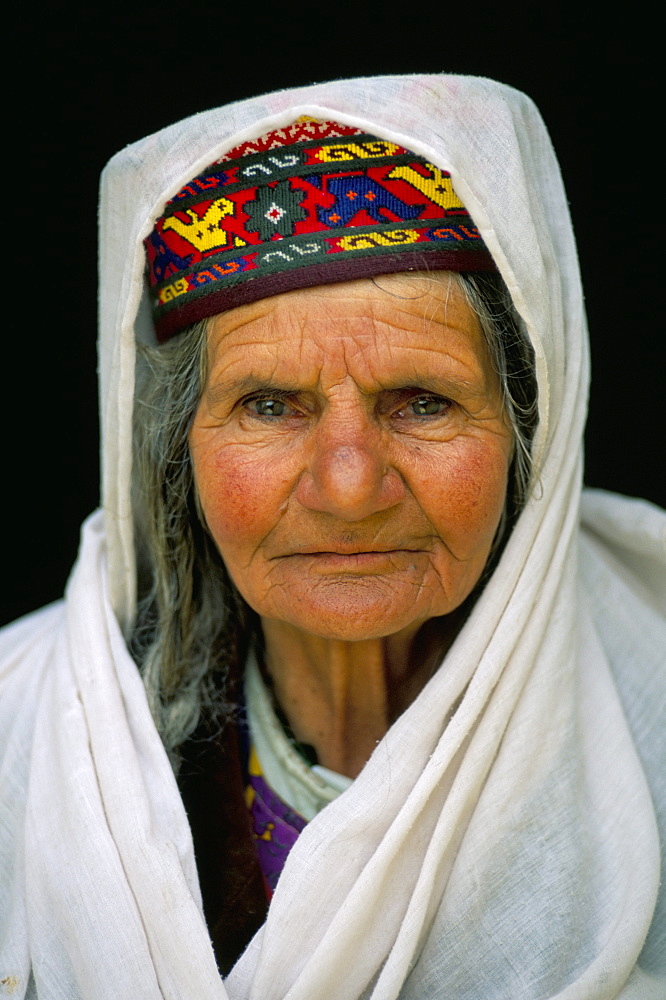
x=344 y=629
x=351 y=613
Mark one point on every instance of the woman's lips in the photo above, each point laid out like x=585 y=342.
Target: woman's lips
x=365 y=559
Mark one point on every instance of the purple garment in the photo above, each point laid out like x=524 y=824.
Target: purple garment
x=275 y=825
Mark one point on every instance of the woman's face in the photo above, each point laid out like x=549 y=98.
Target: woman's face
x=351 y=452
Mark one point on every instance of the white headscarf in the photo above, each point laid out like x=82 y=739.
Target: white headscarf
x=511 y=852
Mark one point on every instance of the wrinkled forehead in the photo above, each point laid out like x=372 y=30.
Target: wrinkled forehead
x=399 y=330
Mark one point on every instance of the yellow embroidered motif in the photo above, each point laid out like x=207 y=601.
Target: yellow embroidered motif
x=356 y=151
x=437 y=188
x=171 y=291
x=368 y=240
x=254 y=770
x=253 y=765
x=204 y=233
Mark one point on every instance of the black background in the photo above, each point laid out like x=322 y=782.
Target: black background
x=86 y=83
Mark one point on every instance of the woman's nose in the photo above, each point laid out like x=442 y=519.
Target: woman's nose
x=348 y=476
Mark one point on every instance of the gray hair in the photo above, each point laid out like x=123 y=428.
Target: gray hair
x=191 y=621
x=193 y=629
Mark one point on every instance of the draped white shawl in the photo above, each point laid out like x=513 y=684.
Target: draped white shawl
x=514 y=852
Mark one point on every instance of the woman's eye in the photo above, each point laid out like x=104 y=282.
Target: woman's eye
x=272 y=406
x=268 y=407
x=425 y=406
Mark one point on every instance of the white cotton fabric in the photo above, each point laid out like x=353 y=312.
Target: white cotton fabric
x=511 y=852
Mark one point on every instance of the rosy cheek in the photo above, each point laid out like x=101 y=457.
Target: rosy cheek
x=233 y=495
x=468 y=496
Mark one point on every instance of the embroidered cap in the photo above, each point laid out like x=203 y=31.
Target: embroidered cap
x=311 y=204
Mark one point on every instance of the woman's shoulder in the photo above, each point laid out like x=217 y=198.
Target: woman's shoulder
x=622 y=562
x=623 y=543
x=29 y=631
x=25 y=651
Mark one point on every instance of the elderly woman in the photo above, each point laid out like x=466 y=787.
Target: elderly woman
x=394 y=730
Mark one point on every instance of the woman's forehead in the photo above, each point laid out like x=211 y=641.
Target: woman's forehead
x=380 y=328
x=433 y=296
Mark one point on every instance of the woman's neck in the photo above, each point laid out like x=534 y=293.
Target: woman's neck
x=341 y=697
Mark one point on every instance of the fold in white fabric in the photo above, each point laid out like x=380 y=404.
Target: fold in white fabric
x=511 y=851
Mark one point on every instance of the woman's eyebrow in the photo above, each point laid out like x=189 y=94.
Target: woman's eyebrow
x=233 y=388
x=437 y=384
x=225 y=389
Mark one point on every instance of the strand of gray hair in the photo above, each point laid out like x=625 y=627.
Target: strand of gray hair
x=189 y=617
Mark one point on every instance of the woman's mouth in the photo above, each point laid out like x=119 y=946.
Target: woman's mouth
x=358 y=559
